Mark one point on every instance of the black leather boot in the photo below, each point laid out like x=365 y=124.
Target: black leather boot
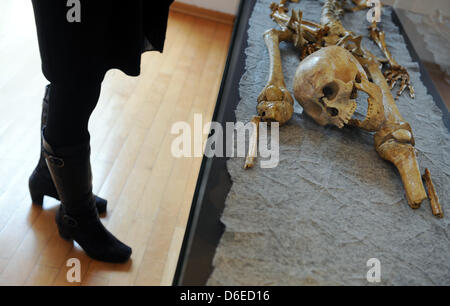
x=77 y=217
x=40 y=182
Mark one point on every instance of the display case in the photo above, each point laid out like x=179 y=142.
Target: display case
x=205 y=228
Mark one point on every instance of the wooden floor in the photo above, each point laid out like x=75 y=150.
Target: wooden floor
x=149 y=191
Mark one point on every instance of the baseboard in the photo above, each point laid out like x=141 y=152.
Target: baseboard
x=202 y=13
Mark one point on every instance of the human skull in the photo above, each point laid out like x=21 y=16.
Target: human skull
x=326 y=85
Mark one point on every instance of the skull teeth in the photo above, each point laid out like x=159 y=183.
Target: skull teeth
x=348 y=116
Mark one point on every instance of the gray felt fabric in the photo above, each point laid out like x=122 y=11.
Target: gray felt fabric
x=332 y=203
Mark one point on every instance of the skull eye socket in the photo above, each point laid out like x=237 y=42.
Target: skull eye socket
x=330 y=90
x=333 y=112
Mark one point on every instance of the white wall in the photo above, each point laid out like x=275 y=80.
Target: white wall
x=224 y=6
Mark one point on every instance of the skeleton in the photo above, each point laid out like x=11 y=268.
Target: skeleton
x=334 y=68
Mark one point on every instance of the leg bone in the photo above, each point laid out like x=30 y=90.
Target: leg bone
x=275 y=103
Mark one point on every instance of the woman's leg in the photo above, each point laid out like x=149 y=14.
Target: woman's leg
x=70 y=112
x=70 y=107
x=72 y=62
x=67 y=153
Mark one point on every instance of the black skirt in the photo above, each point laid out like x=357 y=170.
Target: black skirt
x=108 y=34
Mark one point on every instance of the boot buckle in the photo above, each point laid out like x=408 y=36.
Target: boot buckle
x=70 y=221
x=59 y=162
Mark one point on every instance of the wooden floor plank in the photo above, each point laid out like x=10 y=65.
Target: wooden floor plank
x=42 y=276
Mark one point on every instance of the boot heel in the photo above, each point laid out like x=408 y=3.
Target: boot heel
x=37 y=197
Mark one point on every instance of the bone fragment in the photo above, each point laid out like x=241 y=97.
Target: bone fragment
x=253 y=143
x=432 y=194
